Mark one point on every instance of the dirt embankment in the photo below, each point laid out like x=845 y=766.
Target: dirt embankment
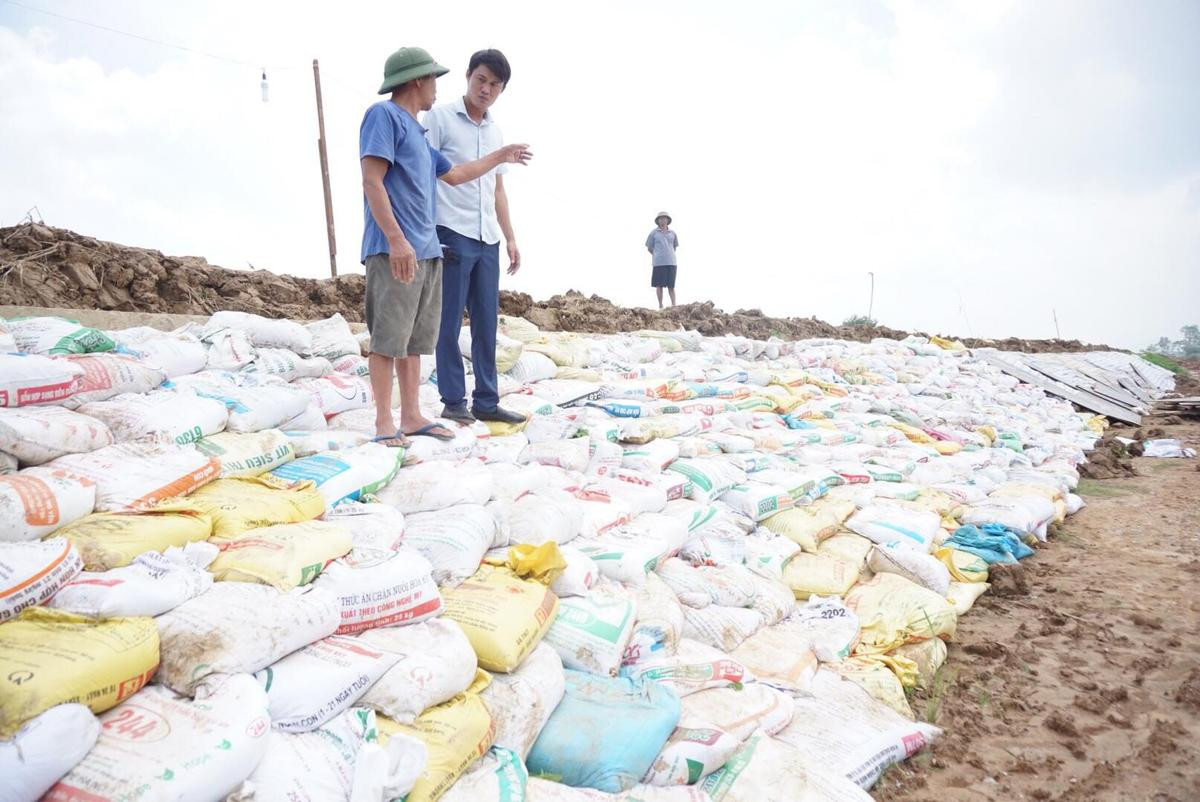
x=53 y=267
x=1078 y=678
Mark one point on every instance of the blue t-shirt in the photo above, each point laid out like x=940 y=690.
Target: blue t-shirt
x=390 y=133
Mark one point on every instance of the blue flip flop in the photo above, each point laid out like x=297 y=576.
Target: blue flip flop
x=427 y=431
x=401 y=440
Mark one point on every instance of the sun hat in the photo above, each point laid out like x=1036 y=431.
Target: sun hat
x=662 y=214
x=406 y=64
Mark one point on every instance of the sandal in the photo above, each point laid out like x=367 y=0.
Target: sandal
x=428 y=431
x=396 y=440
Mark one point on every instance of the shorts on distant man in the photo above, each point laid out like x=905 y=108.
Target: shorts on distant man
x=403 y=318
x=663 y=276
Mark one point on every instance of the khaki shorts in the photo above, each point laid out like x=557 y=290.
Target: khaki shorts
x=403 y=318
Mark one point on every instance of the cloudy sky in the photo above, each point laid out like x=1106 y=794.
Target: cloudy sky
x=992 y=163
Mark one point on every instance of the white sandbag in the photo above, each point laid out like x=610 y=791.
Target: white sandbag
x=551 y=428
x=499 y=776
x=453 y=540
x=605 y=457
x=151 y=585
x=26 y=379
x=247 y=454
x=239 y=627
x=173 y=355
x=157 y=745
x=376 y=529
x=307 y=443
x=463 y=446
x=32 y=572
x=56 y=336
x=692 y=752
x=710 y=477
x=731 y=585
x=44 y=749
x=627 y=553
x=590 y=633
x=36 y=501
x=35 y=435
x=765 y=769
x=108 y=375
x=841 y=727
x=756 y=500
x=352 y=364
x=338 y=392
x=287 y=365
x=348 y=474
x=332 y=338
x=504 y=449
x=522 y=700
x=312 y=419
x=136 y=476
x=721 y=627
x=572 y=455
x=263 y=332
x=532 y=367
x=640 y=497
x=229 y=349
x=886 y=523
x=659 y=624
x=741 y=710
x=579 y=575
x=825 y=625
x=313 y=685
x=1028 y=515
x=916 y=566
x=252 y=409
x=436 y=664
x=601 y=512
x=159 y=416
x=393 y=590
x=543 y=515
x=437 y=485
x=693 y=667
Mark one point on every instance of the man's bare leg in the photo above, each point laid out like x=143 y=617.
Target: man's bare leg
x=672 y=291
x=658 y=292
x=380 y=368
x=408 y=372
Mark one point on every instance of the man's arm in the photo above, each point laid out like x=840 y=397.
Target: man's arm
x=650 y=242
x=469 y=171
x=514 y=253
x=401 y=255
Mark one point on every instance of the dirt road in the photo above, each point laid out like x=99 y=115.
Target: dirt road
x=1083 y=681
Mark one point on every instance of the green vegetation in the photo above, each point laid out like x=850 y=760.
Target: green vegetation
x=1164 y=362
x=1100 y=489
x=860 y=320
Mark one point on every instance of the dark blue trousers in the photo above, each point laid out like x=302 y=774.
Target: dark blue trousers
x=471 y=281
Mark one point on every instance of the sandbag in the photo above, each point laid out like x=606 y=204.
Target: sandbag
x=606 y=732
x=730 y=585
x=590 y=633
x=768 y=770
x=710 y=478
x=544 y=514
x=112 y=539
x=137 y=476
x=436 y=486
x=35 y=435
x=436 y=663
x=456 y=734
x=693 y=667
x=721 y=627
x=659 y=624
x=915 y=566
x=287 y=365
x=162 y=746
x=376 y=529
x=692 y=752
x=338 y=392
x=239 y=627
x=393 y=589
x=882 y=523
x=843 y=729
x=173 y=355
x=31 y=573
x=314 y=440
x=963 y=595
x=740 y=710
x=27 y=379
x=44 y=749
x=37 y=501
x=315 y=684
x=928 y=656
x=521 y=701
x=804 y=526
x=248 y=454
x=151 y=585
x=161 y=416
x=61 y=657
x=627 y=553
x=262 y=332
x=239 y=505
x=893 y=611
x=57 y=336
x=819 y=575
x=756 y=500
x=348 y=474
x=454 y=540
x=498 y=776
x=503 y=615
x=108 y=375
x=332 y=338
x=284 y=556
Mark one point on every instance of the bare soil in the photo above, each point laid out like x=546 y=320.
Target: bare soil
x=1082 y=680
x=42 y=266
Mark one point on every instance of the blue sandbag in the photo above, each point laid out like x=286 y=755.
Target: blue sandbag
x=605 y=733
x=993 y=543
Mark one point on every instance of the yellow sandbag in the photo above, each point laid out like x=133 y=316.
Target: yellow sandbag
x=247 y=453
x=988 y=432
x=543 y=563
x=964 y=566
x=927 y=656
x=503 y=615
x=819 y=575
x=238 y=505
x=948 y=345
x=113 y=539
x=518 y=328
x=502 y=429
x=947 y=448
x=50 y=657
x=840 y=508
x=878 y=680
x=804 y=526
x=964 y=594
x=893 y=611
x=847 y=546
x=456 y=734
x=283 y=556
x=579 y=374
x=914 y=434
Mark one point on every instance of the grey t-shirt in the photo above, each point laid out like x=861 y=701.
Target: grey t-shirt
x=662 y=245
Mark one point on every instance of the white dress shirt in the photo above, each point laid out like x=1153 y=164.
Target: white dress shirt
x=470 y=208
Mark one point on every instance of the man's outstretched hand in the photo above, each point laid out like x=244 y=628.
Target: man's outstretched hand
x=516 y=154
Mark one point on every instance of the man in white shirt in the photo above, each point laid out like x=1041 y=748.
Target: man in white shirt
x=470 y=220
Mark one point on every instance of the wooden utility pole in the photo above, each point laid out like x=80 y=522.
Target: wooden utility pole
x=325 y=171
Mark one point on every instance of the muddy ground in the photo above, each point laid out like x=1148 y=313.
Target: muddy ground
x=1081 y=681
x=42 y=266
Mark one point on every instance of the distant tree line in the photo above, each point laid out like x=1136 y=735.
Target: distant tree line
x=1187 y=345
